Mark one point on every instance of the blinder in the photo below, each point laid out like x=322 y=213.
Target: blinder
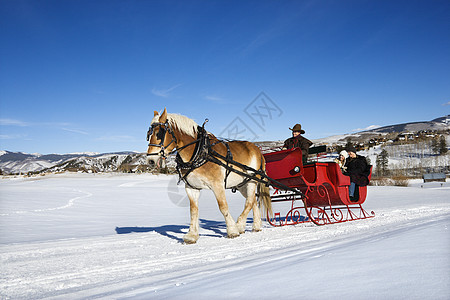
x=161 y=135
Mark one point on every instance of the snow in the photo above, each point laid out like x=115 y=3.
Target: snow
x=26 y=166
x=117 y=236
x=334 y=139
x=85 y=153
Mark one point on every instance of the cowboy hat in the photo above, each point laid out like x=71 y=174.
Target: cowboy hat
x=298 y=127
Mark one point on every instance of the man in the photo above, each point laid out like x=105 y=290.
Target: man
x=358 y=170
x=298 y=141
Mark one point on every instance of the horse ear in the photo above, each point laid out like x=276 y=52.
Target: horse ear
x=163 y=117
x=155 y=113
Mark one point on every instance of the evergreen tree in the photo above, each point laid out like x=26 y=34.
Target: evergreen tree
x=435 y=145
x=382 y=163
x=442 y=145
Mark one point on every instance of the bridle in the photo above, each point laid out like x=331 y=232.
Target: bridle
x=161 y=135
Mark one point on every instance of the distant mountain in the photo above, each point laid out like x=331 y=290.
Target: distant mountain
x=108 y=162
x=18 y=162
x=439 y=124
x=442 y=123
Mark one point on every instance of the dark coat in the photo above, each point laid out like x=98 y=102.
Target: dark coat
x=298 y=142
x=358 y=170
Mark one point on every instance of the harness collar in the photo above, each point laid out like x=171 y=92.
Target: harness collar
x=199 y=157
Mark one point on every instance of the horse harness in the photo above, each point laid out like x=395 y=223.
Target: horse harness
x=204 y=153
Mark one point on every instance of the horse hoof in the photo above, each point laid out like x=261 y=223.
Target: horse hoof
x=233 y=235
x=190 y=239
x=189 y=242
x=257 y=229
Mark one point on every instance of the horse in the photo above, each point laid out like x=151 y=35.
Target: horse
x=173 y=132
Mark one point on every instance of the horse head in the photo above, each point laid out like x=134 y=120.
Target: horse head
x=161 y=137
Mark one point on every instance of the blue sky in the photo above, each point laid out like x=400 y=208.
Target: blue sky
x=80 y=76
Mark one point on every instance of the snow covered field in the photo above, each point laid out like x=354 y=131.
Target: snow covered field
x=77 y=236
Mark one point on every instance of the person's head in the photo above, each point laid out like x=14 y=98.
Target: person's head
x=343 y=155
x=297 y=130
x=351 y=151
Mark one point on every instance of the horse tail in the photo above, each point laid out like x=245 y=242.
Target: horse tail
x=264 y=199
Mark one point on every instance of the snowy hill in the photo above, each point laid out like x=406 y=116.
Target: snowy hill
x=18 y=162
x=442 y=123
x=438 y=124
x=132 y=162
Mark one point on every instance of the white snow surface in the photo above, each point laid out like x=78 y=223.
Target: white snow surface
x=59 y=239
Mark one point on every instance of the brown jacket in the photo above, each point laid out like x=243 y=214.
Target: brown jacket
x=298 y=142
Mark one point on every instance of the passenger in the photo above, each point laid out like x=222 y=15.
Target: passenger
x=298 y=141
x=358 y=170
x=343 y=155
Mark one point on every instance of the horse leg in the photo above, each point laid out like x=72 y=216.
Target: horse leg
x=257 y=224
x=249 y=192
x=192 y=236
x=232 y=230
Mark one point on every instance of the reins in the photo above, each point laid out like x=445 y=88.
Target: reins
x=216 y=158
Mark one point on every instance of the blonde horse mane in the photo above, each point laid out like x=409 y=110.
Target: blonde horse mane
x=182 y=123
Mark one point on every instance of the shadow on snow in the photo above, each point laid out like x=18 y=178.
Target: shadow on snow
x=219 y=229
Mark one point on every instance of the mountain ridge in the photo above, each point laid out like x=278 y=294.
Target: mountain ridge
x=438 y=124
x=442 y=123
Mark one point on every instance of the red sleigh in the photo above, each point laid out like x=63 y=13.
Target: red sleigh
x=325 y=198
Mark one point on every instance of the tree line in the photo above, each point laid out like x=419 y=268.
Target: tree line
x=429 y=161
